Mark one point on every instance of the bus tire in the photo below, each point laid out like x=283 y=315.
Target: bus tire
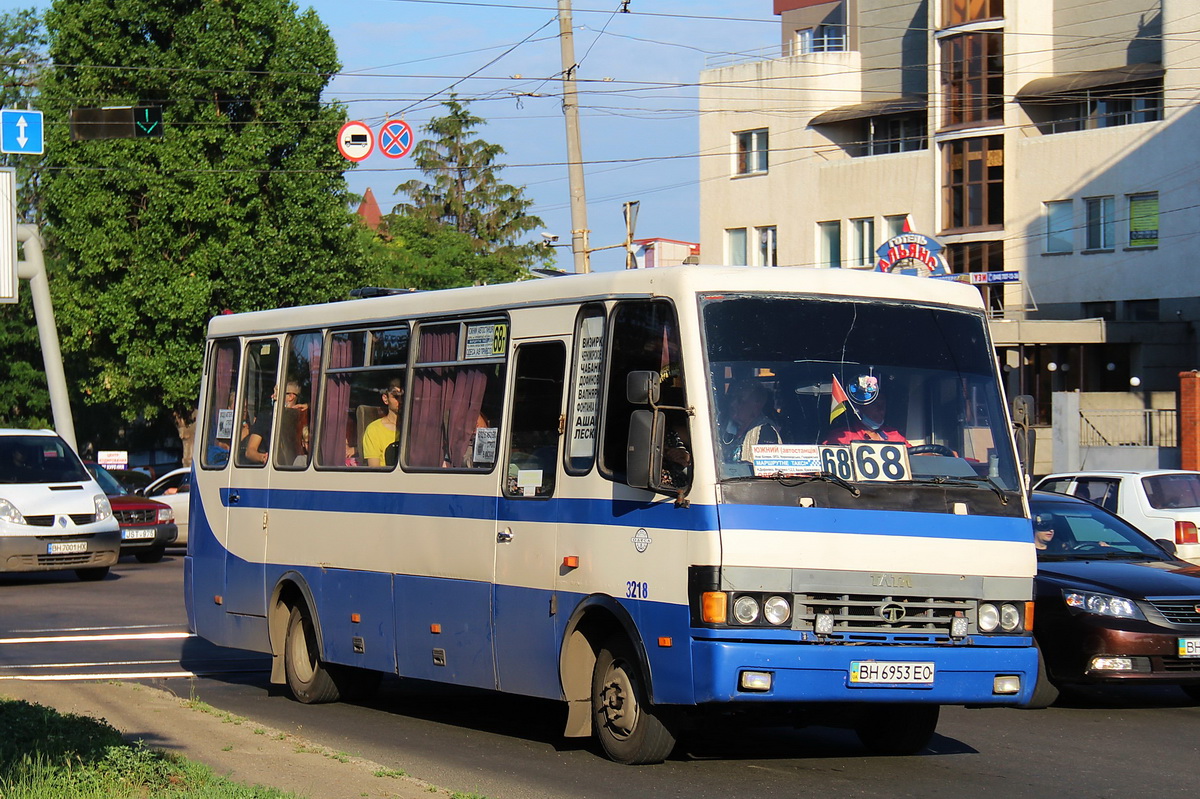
x=630 y=730
x=307 y=677
x=1044 y=692
x=93 y=574
x=897 y=729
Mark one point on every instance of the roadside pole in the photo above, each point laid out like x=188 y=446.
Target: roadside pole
x=33 y=268
x=570 y=103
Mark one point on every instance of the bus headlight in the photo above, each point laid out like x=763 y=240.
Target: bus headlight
x=1010 y=617
x=989 y=617
x=745 y=610
x=776 y=610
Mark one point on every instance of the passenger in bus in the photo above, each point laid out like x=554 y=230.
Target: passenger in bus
x=259 y=440
x=748 y=422
x=865 y=417
x=382 y=432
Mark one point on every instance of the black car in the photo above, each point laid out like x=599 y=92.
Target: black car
x=1112 y=605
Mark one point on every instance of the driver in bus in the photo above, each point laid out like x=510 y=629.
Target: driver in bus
x=865 y=417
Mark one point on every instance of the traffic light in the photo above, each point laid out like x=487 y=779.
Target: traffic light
x=117 y=122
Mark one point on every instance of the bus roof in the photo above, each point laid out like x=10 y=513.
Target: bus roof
x=663 y=281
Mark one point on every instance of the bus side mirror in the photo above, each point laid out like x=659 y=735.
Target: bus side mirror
x=643 y=454
x=1023 y=435
x=641 y=388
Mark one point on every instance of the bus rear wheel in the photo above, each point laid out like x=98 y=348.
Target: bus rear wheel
x=897 y=729
x=629 y=728
x=307 y=678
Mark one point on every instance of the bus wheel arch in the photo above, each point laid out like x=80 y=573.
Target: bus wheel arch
x=291 y=590
x=595 y=621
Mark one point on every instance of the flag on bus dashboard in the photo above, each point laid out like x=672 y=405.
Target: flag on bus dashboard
x=839 y=402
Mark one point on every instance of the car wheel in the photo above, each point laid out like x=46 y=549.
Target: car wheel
x=150 y=555
x=629 y=728
x=1193 y=692
x=307 y=677
x=93 y=574
x=897 y=729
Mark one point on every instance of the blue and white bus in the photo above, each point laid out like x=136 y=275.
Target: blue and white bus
x=658 y=495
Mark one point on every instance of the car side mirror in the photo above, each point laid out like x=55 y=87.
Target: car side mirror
x=1168 y=545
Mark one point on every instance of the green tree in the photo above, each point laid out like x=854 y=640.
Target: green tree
x=241 y=205
x=464 y=195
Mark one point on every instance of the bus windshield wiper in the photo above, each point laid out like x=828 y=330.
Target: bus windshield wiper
x=966 y=481
x=828 y=477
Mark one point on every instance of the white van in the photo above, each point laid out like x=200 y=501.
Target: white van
x=53 y=515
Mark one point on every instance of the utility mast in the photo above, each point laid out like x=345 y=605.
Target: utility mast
x=579 y=223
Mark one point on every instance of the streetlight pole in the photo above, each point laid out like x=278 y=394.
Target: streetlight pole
x=579 y=224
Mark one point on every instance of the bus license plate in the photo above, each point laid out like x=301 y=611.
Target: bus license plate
x=137 y=532
x=1189 y=647
x=876 y=672
x=66 y=547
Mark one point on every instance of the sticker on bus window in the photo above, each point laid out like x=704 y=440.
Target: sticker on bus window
x=529 y=481
x=589 y=352
x=485 y=445
x=481 y=341
x=771 y=460
x=225 y=418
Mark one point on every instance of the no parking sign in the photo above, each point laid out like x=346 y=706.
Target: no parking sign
x=395 y=138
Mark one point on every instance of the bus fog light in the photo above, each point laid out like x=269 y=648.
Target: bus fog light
x=823 y=623
x=756 y=680
x=1010 y=617
x=776 y=610
x=1106 y=663
x=958 y=626
x=1006 y=684
x=989 y=618
x=745 y=610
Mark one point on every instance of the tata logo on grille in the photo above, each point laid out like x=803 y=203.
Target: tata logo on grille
x=891 y=612
x=891 y=580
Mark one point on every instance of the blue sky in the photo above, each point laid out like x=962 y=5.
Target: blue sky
x=639 y=129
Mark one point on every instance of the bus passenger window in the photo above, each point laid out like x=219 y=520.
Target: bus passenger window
x=222 y=433
x=536 y=408
x=293 y=447
x=362 y=398
x=259 y=394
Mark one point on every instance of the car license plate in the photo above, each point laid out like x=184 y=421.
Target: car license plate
x=66 y=547
x=1189 y=647
x=137 y=532
x=880 y=672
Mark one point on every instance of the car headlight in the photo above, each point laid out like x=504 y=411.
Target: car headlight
x=103 y=509
x=166 y=515
x=1102 y=604
x=9 y=513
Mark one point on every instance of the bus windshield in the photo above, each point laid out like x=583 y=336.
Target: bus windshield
x=865 y=391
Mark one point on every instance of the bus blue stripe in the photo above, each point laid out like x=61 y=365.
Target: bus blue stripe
x=876 y=522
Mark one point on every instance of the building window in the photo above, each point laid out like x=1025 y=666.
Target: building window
x=957 y=12
x=977 y=257
x=974 y=183
x=768 y=251
x=1060 y=233
x=863 y=232
x=821 y=39
x=1106 y=310
x=1143 y=220
x=1098 y=107
x=973 y=79
x=830 y=244
x=1099 y=223
x=1141 y=310
x=894 y=225
x=735 y=243
x=751 y=155
x=900 y=133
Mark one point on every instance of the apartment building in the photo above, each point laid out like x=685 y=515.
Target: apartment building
x=1051 y=146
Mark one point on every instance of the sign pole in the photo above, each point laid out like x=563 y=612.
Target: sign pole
x=570 y=102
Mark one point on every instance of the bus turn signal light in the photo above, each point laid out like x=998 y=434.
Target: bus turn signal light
x=1185 y=533
x=713 y=607
x=571 y=561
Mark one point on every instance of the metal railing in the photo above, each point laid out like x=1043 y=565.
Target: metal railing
x=1129 y=428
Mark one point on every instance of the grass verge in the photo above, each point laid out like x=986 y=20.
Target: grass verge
x=49 y=755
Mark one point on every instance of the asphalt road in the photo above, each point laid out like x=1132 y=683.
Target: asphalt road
x=1099 y=743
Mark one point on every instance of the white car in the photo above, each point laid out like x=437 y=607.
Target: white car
x=173 y=488
x=53 y=515
x=1162 y=503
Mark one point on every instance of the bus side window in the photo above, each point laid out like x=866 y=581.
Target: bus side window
x=583 y=415
x=536 y=406
x=260 y=392
x=362 y=398
x=297 y=401
x=222 y=433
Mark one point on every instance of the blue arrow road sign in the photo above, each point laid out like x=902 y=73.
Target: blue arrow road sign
x=21 y=132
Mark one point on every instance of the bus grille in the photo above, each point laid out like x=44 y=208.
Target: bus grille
x=1179 y=611
x=865 y=613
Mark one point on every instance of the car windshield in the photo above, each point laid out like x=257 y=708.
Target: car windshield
x=1084 y=531
x=108 y=483
x=865 y=391
x=38 y=459
x=1167 y=491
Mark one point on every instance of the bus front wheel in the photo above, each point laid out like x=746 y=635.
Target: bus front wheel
x=629 y=728
x=307 y=677
x=897 y=729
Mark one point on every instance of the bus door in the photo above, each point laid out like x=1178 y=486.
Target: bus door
x=247 y=499
x=527 y=524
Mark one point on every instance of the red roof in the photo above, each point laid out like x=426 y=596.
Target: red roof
x=368 y=209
